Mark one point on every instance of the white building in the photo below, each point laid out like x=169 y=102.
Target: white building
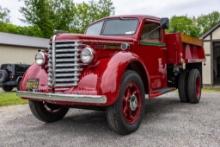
x=20 y=48
x=211 y=71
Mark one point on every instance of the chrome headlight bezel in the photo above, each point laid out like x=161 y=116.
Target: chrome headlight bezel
x=87 y=55
x=40 y=58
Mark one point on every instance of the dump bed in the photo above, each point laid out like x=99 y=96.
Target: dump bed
x=182 y=48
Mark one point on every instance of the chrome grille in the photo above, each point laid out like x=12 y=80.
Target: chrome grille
x=64 y=64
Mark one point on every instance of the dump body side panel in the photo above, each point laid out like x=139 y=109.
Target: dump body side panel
x=183 y=48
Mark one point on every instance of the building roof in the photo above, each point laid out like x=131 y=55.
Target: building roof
x=21 y=40
x=211 y=30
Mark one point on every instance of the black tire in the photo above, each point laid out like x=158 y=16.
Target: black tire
x=41 y=112
x=18 y=86
x=194 y=86
x=182 y=87
x=7 y=88
x=115 y=115
x=3 y=75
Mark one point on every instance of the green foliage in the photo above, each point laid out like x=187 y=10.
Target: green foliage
x=184 y=24
x=194 y=26
x=90 y=12
x=26 y=30
x=45 y=16
x=205 y=22
x=50 y=15
x=4 y=15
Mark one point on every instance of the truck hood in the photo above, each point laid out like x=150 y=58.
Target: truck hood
x=105 y=46
x=88 y=39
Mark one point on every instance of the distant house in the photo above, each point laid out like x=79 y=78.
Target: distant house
x=19 y=48
x=211 y=71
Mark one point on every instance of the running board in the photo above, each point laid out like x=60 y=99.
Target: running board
x=159 y=92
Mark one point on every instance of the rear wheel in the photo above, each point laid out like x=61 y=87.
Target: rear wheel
x=7 y=88
x=194 y=86
x=126 y=114
x=182 y=87
x=47 y=112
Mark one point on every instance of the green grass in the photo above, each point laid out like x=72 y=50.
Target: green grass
x=211 y=89
x=10 y=98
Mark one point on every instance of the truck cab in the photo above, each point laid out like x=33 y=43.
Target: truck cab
x=118 y=63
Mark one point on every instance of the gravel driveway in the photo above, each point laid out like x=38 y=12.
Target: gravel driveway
x=167 y=123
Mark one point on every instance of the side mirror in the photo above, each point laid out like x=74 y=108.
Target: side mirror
x=164 y=23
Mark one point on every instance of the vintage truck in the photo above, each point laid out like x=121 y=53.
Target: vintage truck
x=118 y=63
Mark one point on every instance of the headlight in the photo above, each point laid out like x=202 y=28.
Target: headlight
x=87 y=55
x=40 y=58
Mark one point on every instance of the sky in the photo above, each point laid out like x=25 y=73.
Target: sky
x=160 y=8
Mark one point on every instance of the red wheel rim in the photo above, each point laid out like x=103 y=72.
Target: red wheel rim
x=198 y=87
x=131 y=106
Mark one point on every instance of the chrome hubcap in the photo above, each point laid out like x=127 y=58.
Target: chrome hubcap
x=133 y=103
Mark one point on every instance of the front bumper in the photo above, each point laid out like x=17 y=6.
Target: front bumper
x=73 y=98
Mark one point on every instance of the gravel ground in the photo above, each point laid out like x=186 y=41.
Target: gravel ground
x=167 y=123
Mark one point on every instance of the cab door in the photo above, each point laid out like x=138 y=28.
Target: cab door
x=152 y=50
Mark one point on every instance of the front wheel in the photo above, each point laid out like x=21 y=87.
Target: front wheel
x=47 y=112
x=126 y=114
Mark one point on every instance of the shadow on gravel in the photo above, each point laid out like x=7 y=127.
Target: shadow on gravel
x=86 y=123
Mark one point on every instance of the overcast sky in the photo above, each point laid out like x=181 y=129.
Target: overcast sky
x=165 y=8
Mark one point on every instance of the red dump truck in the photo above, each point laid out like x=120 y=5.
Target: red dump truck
x=118 y=63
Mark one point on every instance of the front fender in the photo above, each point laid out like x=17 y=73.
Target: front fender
x=110 y=80
x=104 y=78
x=35 y=72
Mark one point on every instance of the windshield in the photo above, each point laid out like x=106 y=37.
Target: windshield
x=113 y=27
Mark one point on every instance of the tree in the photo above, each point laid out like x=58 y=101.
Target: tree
x=195 y=26
x=50 y=15
x=185 y=25
x=21 y=30
x=205 y=22
x=4 y=15
x=89 y=12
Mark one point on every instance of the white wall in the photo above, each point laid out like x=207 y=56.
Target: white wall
x=207 y=72
x=12 y=54
x=216 y=34
x=208 y=78
x=207 y=38
x=207 y=68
